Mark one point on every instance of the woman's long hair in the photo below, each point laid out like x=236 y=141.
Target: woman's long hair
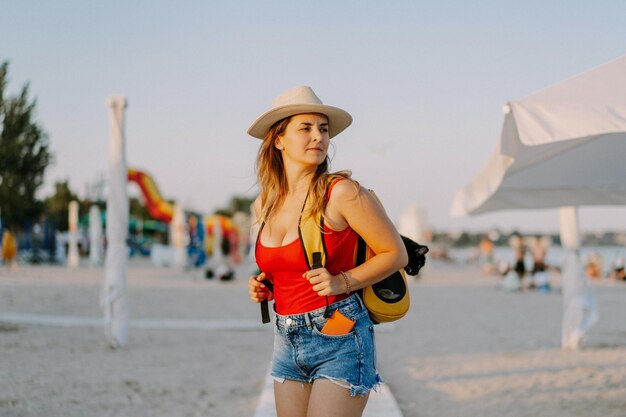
x=273 y=181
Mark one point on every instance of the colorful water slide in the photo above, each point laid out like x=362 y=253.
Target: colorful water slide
x=158 y=207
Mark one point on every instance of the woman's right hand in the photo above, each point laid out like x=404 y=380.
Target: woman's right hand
x=257 y=290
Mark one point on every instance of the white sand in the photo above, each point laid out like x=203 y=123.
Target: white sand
x=466 y=349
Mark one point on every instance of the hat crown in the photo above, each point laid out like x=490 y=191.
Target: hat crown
x=300 y=100
x=297 y=95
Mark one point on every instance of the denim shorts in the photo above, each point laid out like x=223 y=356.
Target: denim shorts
x=302 y=353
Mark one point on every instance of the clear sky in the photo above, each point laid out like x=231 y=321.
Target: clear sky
x=424 y=81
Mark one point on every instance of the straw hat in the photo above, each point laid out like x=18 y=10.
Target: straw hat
x=300 y=100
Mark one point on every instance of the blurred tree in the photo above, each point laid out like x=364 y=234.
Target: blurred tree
x=237 y=203
x=57 y=205
x=241 y=204
x=137 y=209
x=464 y=240
x=24 y=155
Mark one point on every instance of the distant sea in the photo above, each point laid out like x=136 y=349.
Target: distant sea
x=555 y=256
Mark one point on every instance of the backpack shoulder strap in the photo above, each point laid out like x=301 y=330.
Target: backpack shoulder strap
x=311 y=237
x=375 y=197
x=311 y=230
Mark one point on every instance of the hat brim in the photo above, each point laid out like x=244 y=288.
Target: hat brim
x=338 y=119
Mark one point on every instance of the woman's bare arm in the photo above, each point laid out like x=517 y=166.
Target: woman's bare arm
x=354 y=206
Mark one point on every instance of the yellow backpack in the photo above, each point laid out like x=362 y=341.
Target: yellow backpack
x=387 y=300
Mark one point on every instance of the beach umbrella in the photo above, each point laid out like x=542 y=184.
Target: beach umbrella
x=95 y=235
x=179 y=238
x=413 y=224
x=580 y=311
x=115 y=292
x=560 y=147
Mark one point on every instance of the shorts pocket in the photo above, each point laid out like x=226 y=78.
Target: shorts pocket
x=317 y=329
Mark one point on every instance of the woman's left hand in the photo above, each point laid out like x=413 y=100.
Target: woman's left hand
x=324 y=283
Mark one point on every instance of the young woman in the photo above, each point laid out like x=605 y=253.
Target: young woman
x=316 y=374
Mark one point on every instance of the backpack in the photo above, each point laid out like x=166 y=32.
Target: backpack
x=387 y=300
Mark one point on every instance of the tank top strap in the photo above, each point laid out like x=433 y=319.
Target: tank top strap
x=332 y=184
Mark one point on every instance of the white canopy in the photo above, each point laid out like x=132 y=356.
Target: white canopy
x=564 y=145
x=560 y=147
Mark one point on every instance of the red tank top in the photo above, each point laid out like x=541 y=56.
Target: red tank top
x=284 y=266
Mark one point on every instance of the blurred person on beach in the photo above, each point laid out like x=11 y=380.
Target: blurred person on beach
x=195 y=253
x=485 y=248
x=594 y=266
x=539 y=250
x=510 y=279
x=617 y=269
x=519 y=247
x=9 y=248
x=316 y=374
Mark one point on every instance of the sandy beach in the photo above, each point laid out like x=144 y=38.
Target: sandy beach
x=197 y=348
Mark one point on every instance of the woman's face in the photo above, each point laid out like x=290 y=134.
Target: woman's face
x=305 y=140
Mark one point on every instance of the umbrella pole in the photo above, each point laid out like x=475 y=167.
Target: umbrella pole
x=115 y=294
x=73 y=257
x=95 y=236
x=178 y=236
x=579 y=306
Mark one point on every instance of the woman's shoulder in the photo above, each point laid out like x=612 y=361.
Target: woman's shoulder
x=342 y=189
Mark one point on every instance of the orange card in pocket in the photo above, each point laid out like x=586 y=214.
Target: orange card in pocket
x=337 y=324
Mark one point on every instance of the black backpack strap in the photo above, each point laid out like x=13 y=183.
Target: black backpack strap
x=265 y=310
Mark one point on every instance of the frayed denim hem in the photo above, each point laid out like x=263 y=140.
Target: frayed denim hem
x=355 y=390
